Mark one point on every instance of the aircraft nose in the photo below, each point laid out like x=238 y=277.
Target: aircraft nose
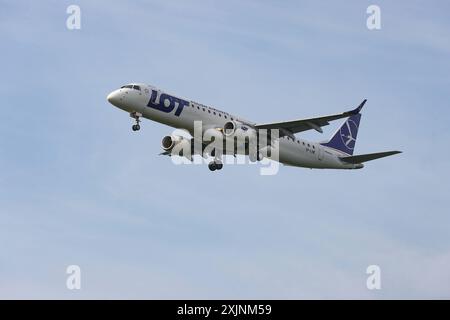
x=113 y=98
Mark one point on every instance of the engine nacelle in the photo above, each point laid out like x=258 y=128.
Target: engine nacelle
x=237 y=129
x=168 y=142
x=240 y=138
x=229 y=128
x=178 y=145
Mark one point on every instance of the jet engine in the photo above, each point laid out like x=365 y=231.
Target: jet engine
x=237 y=129
x=169 y=142
x=229 y=128
x=242 y=137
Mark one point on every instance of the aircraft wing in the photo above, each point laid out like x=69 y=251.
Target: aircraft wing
x=289 y=128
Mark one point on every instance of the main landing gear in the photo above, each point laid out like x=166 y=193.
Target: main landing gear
x=136 y=116
x=215 y=165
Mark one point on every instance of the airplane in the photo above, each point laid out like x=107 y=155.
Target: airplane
x=146 y=101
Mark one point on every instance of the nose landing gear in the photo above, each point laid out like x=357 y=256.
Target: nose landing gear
x=136 y=116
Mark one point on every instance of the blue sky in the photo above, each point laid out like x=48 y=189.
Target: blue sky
x=77 y=186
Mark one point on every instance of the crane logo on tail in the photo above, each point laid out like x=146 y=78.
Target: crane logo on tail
x=348 y=134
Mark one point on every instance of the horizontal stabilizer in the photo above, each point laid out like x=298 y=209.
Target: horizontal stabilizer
x=368 y=157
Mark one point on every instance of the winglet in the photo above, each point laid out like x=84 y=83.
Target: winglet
x=358 y=109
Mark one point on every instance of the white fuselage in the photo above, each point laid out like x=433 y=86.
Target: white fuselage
x=180 y=113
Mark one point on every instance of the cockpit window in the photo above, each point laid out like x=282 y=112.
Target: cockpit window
x=130 y=86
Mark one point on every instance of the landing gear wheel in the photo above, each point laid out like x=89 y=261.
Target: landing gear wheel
x=136 y=116
x=212 y=166
x=215 y=165
x=219 y=165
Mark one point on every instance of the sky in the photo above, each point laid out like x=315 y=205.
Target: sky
x=78 y=187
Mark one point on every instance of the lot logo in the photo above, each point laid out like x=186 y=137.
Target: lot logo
x=166 y=103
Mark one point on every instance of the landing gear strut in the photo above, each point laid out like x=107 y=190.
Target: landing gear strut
x=215 y=165
x=136 y=116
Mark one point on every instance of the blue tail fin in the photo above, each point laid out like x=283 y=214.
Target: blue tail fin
x=344 y=138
